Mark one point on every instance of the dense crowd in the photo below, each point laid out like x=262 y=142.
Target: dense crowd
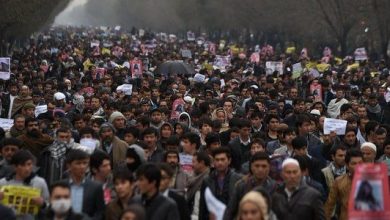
x=105 y=133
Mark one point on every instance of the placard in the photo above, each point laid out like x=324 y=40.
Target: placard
x=5 y=68
x=6 y=123
x=336 y=125
x=273 y=66
x=215 y=207
x=19 y=197
x=136 y=68
x=39 y=109
x=190 y=36
x=199 y=78
x=222 y=61
x=316 y=90
x=361 y=54
x=186 y=163
x=186 y=53
x=127 y=89
x=255 y=57
x=369 y=197
x=297 y=70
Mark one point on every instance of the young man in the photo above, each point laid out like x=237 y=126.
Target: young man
x=239 y=146
x=259 y=177
x=154 y=151
x=286 y=138
x=8 y=147
x=221 y=180
x=296 y=193
x=100 y=167
x=23 y=175
x=166 y=178
x=61 y=203
x=201 y=162
x=341 y=188
x=123 y=183
x=157 y=206
x=190 y=142
x=131 y=135
x=87 y=195
x=337 y=167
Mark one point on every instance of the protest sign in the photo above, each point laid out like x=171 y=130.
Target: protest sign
x=327 y=52
x=222 y=44
x=190 y=36
x=163 y=37
x=297 y=70
x=6 y=123
x=361 y=54
x=127 y=89
x=186 y=163
x=369 y=197
x=215 y=207
x=40 y=109
x=222 y=61
x=117 y=28
x=336 y=125
x=316 y=91
x=273 y=66
x=186 y=53
x=199 y=78
x=5 y=68
x=136 y=68
x=212 y=48
x=177 y=108
x=95 y=43
x=141 y=32
x=89 y=144
x=19 y=198
x=255 y=58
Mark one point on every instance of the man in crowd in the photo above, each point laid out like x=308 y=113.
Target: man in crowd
x=112 y=145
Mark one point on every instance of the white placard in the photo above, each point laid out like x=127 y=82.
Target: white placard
x=125 y=88
x=95 y=44
x=186 y=162
x=274 y=66
x=141 y=32
x=336 y=125
x=199 y=78
x=40 y=109
x=117 y=28
x=360 y=54
x=216 y=207
x=190 y=36
x=6 y=123
x=186 y=53
x=5 y=68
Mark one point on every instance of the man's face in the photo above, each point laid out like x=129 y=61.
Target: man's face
x=188 y=147
x=24 y=91
x=64 y=137
x=8 y=151
x=289 y=137
x=19 y=123
x=78 y=168
x=353 y=163
x=197 y=166
x=156 y=117
x=256 y=122
x=123 y=188
x=305 y=128
x=273 y=124
x=33 y=128
x=339 y=94
x=300 y=152
x=260 y=169
x=150 y=140
x=59 y=193
x=368 y=155
x=380 y=139
x=129 y=138
x=13 y=90
x=339 y=157
x=172 y=160
x=292 y=175
x=221 y=162
x=256 y=147
x=350 y=138
x=24 y=170
x=105 y=168
x=362 y=112
x=228 y=107
x=95 y=104
x=119 y=123
x=165 y=181
x=80 y=124
x=29 y=112
x=206 y=128
x=293 y=93
x=144 y=185
x=300 y=107
x=245 y=131
x=107 y=134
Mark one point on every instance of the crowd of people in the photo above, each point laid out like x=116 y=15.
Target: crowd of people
x=252 y=136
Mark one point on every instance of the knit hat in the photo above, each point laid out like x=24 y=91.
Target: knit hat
x=115 y=115
x=369 y=145
x=28 y=105
x=106 y=125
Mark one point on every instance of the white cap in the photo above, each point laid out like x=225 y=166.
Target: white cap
x=290 y=161
x=59 y=96
x=315 y=112
x=369 y=145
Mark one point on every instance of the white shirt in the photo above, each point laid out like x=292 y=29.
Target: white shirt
x=11 y=103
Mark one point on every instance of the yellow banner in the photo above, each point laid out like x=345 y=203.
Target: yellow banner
x=19 y=198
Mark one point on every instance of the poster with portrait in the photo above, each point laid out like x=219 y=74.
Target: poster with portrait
x=316 y=91
x=369 y=197
x=136 y=68
x=5 y=68
x=177 y=108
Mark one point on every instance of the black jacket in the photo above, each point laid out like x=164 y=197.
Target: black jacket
x=158 y=208
x=305 y=203
x=6 y=213
x=181 y=205
x=240 y=153
x=93 y=200
x=223 y=195
x=70 y=216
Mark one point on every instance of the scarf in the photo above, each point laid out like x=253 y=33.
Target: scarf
x=15 y=132
x=337 y=171
x=36 y=145
x=375 y=110
x=19 y=102
x=194 y=184
x=58 y=150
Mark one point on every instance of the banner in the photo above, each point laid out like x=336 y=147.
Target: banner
x=5 y=68
x=369 y=197
x=361 y=54
x=273 y=66
x=136 y=68
x=6 y=123
x=39 y=109
x=19 y=198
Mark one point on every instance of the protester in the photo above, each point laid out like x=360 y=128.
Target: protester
x=8 y=147
x=253 y=206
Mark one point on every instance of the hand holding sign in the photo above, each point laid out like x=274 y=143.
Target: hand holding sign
x=335 y=125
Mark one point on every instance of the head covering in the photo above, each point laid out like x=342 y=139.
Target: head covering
x=258 y=200
x=290 y=161
x=106 y=125
x=369 y=145
x=28 y=105
x=59 y=96
x=315 y=112
x=114 y=116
